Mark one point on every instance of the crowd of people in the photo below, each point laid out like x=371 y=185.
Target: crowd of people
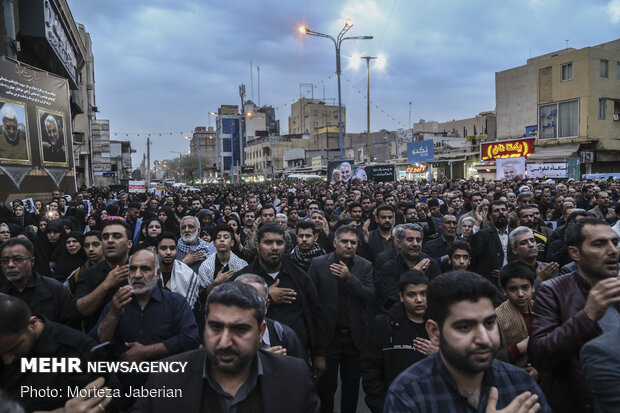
x=438 y=296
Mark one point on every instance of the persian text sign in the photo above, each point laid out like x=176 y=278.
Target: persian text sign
x=507 y=149
x=137 y=187
x=417 y=169
x=547 y=170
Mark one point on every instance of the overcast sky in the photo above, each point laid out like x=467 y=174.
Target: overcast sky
x=162 y=65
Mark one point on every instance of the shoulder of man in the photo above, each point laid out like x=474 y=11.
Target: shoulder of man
x=69 y=337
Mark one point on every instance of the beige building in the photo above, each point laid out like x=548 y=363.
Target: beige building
x=204 y=144
x=484 y=123
x=314 y=117
x=569 y=100
x=267 y=154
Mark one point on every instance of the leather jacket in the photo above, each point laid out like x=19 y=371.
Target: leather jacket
x=558 y=329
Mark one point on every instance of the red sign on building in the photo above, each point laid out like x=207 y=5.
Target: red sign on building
x=507 y=149
x=417 y=169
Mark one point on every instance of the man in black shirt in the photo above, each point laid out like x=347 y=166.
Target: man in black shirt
x=398 y=340
x=97 y=284
x=23 y=335
x=43 y=295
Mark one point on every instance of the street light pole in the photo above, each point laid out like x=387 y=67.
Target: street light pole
x=368 y=59
x=337 y=42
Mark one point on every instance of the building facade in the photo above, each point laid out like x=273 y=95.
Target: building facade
x=44 y=35
x=229 y=139
x=570 y=101
x=204 y=145
x=319 y=120
x=265 y=155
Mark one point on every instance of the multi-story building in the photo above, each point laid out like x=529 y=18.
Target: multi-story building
x=81 y=121
x=484 y=124
x=265 y=155
x=44 y=35
x=120 y=160
x=204 y=144
x=316 y=118
x=569 y=100
x=230 y=141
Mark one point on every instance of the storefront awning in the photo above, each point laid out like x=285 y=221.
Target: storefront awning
x=554 y=153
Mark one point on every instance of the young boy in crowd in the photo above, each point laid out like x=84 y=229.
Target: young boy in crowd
x=514 y=314
x=398 y=340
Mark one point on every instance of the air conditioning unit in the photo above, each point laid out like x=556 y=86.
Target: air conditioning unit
x=616 y=116
x=586 y=157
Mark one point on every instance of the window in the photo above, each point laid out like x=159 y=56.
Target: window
x=617 y=70
x=316 y=125
x=601 y=108
x=558 y=120
x=604 y=68
x=315 y=112
x=567 y=72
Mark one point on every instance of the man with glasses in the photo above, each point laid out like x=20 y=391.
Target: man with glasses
x=44 y=296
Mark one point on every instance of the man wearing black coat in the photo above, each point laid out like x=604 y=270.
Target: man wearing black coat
x=231 y=373
x=44 y=295
x=345 y=287
x=490 y=245
x=410 y=256
x=293 y=295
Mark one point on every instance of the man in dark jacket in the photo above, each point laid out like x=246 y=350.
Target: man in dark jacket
x=398 y=340
x=44 y=296
x=380 y=239
x=410 y=257
x=231 y=373
x=345 y=287
x=490 y=245
x=293 y=295
x=567 y=310
x=26 y=336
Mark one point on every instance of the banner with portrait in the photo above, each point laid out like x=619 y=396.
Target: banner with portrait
x=510 y=168
x=345 y=171
x=35 y=131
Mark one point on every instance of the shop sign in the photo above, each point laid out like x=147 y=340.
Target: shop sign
x=417 y=169
x=507 y=149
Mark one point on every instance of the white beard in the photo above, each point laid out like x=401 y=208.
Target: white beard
x=190 y=239
x=148 y=286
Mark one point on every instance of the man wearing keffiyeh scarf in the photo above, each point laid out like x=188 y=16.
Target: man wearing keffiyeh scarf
x=307 y=247
x=191 y=249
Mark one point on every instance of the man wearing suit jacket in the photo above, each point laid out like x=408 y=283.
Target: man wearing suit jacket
x=490 y=245
x=231 y=373
x=600 y=359
x=345 y=286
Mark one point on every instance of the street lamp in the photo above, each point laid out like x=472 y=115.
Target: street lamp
x=368 y=59
x=337 y=42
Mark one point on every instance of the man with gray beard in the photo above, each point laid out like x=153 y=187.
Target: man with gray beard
x=191 y=249
x=144 y=322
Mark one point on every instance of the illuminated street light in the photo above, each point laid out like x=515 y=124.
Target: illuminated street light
x=337 y=42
